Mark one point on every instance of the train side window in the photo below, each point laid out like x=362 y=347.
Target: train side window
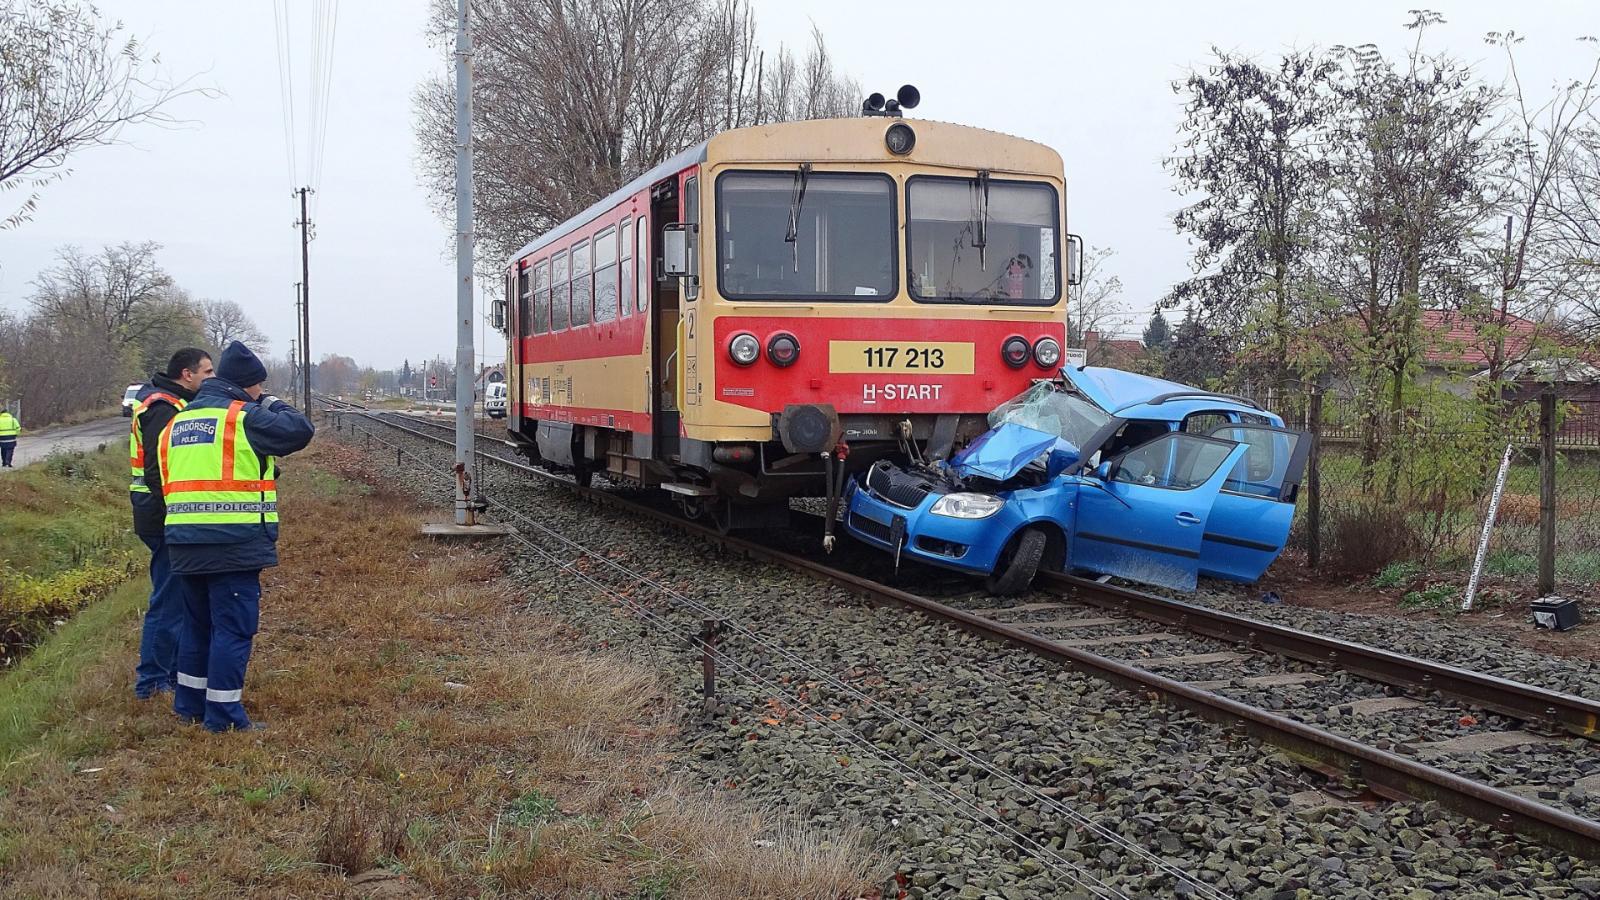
x=524 y=301
x=605 y=275
x=625 y=279
x=691 y=214
x=558 y=291
x=582 y=284
x=643 y=255
x=541 y=297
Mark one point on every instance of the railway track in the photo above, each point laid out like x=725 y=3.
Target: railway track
x=1344 y=760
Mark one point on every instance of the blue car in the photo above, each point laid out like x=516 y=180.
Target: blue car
x=1098 y=470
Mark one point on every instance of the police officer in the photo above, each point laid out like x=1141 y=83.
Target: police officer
x=218 y=470
x=9 y=429
x=154 y=406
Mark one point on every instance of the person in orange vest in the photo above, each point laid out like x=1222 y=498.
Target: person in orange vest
x=154 y=406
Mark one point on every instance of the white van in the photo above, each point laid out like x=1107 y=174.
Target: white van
x=494 y=400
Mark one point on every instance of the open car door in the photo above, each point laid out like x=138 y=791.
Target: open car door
x=1145 y=520
x=1251 y=517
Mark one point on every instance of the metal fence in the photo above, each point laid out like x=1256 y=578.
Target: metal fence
x=1411 y=493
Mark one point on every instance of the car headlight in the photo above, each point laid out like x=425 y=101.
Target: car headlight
x=744 y=348
x=1047 y=352
x=967 y=506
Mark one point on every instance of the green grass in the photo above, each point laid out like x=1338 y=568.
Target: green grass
x=62 y=512
x=33 y=695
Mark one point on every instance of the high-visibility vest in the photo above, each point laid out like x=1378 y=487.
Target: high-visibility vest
x=218 y=489
x=136 y=438
x=9 y=426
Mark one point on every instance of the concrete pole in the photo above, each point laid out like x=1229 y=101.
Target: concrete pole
x=464 y=240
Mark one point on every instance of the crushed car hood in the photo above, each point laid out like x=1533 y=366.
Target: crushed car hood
x=1001 y=452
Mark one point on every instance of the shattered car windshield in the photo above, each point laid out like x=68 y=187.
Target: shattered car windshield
x=1050 y=408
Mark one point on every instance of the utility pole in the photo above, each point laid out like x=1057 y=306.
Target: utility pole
x=305 y=298
x=466 y=522
x=464 y=247
x=296 y=343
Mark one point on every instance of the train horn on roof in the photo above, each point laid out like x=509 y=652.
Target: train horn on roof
x=905 y=98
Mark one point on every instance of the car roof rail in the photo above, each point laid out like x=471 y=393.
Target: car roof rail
x=1184 y=395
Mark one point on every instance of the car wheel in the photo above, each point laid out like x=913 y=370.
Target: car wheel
x=1018 y=564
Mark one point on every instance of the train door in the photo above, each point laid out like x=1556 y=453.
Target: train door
x=664 y=323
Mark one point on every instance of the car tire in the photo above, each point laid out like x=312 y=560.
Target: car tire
x=1018 y=563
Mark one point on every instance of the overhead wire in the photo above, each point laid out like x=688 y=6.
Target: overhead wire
x=1155 y=862
x=284 y=54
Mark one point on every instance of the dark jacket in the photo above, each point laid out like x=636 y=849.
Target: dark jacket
x=149 y=510
x=275 y=429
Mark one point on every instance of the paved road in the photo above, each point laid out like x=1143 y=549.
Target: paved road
x=32 y=448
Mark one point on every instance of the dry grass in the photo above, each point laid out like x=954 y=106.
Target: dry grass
x=420 y=724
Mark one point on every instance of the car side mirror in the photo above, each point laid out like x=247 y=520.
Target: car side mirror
x=1105 y=471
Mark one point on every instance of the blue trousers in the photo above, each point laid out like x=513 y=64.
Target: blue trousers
x=221 y=611
x=158 y=644
x=6 y=449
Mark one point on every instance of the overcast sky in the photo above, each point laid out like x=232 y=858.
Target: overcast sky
x=1091 y=80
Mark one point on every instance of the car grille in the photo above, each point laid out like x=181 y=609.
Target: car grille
x=875 y=530
x=896 y=486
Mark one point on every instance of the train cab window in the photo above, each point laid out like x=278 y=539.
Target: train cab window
x=605 y=276
x=582 y=284
x=642 y=235
x=541 y=297
x=982 y=240
x=559 y=317
x=691 y=214
x=801 y=234
x=524 y=300
x=625 y=277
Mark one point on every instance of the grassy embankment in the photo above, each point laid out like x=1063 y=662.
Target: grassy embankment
x=65 y=541
x=426 y=734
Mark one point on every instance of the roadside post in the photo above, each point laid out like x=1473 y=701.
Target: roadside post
x=1547 y=493
x=1314 y=480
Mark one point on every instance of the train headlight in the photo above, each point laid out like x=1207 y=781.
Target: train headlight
x=783 y=349
x=900 y=139
x=967 y=506
x=1047 y=352
x=744 y=348
x=1015 y=351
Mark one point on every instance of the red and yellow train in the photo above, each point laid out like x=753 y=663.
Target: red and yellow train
x=781 y=304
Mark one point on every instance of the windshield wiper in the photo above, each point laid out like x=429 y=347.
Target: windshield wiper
x=980 y=241
x=797 y=196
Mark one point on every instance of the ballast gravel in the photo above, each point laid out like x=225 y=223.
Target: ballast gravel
x=1163 y=789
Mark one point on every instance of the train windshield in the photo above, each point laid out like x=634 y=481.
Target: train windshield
x=982 y=240
x=799 y=234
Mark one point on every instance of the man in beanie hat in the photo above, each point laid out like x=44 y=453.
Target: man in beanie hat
x=218 y=470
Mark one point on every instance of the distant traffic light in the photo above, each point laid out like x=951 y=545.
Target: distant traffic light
x=433 y=381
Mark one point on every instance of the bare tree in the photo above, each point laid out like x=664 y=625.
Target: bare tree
x=1095 y=303
x=1525 y=266
x=68 y=81
x=226 y=322
x=573 y=98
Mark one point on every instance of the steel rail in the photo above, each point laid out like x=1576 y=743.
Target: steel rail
x=1386 y=774
x=1551 y=710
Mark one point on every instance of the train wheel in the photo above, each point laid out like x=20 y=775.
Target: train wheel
x=1018 y=563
